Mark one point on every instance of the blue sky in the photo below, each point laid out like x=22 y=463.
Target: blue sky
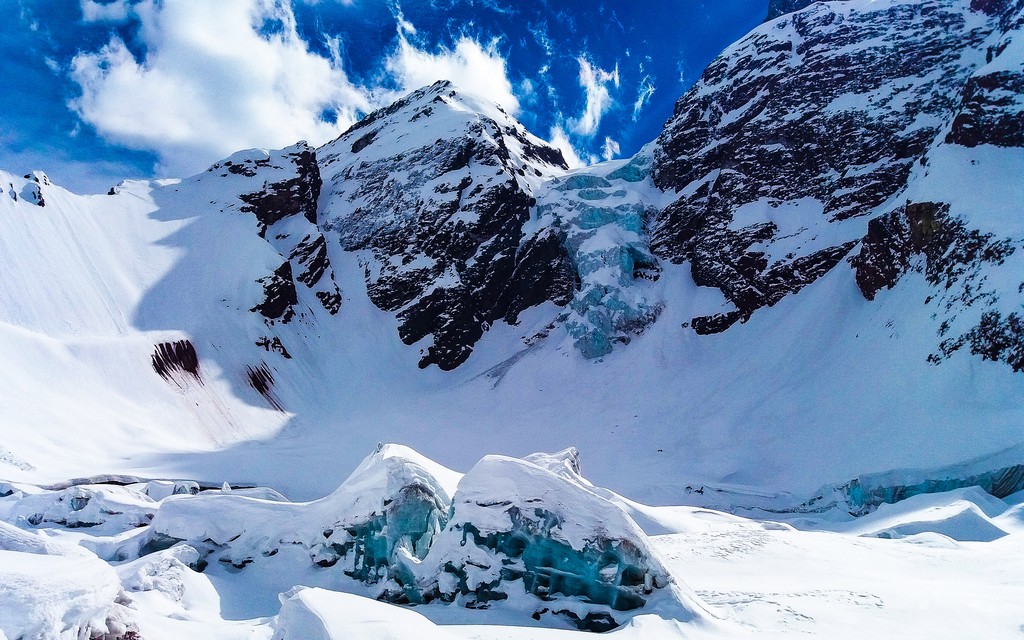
x=92 y=91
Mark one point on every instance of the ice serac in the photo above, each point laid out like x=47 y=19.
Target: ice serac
x=540 y=530
x=998 y=475
x=435 y=190
x=529 y=536
x=602 y=216
x=830 y=108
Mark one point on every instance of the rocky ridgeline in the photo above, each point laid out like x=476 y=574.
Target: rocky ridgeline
x=817 y=142
x=788 y=156
x=284 y=202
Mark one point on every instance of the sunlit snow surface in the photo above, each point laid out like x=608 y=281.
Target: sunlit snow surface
x=936 y=566
x=771 y=434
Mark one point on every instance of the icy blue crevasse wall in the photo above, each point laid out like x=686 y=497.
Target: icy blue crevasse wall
x=371 y=549
x=866 y=493
x=533 y=535
x=613 y=573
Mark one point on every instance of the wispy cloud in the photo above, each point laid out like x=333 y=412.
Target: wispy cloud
x=643 y=96
x=540 y=35
x=404 y=26
x=560 y=140
x=595 y=82
x=112 y=12
x=611 y=149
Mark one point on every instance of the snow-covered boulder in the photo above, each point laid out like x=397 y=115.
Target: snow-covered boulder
x=539 y=538
x=391 y=506
x=111 y=508
x=167 y=575
x=317 y=614
x=59 y=596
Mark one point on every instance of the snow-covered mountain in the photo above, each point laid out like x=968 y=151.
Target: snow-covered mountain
x=837 y=193
x=437 y=189
x=806 y=298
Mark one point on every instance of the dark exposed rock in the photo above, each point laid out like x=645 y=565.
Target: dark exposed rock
x=543 y=272
x=274 y=344
x=750 y=285
x=363 y=142
x=33 y=193
x=281 y=189
x=296 y=194
x=169 y=357
x=955 y=262
x=991 y=109
x=279 y=296
x=991 y=7
x=891 y=240
x=763 y=122
x=330 y=300
x=996 y=337
x=311 y=254
x=262 y=380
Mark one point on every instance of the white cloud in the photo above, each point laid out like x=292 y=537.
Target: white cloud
x=210 y=83
x=476 y=68
x=404 y=26
x=540 y=35
x=611 y=149
x=643 y=96
x=215 y=79
x=594 y=81
x=560 y=141
x=113 y=12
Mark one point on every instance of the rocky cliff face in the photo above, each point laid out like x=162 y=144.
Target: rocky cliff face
x=778 y=8
x=281 y=189
x=436 y=190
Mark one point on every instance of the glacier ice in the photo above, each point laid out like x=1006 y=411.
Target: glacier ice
x=1000 y=474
